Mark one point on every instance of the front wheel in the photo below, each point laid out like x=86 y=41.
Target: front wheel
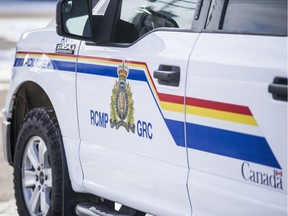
x=38 y=165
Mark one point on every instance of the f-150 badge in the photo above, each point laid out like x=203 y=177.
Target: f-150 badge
x=122 y=110
x=66 y=46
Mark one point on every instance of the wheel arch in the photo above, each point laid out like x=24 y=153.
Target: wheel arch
x=28 y=95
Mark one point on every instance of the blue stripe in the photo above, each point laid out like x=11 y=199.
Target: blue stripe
x=216 y=141
x=176 y=128
x=110 y=71
x=225 y=143
x=231 y=144
x=92 y=69
x=64 y=66
x=99 y=70
x=138 y=75
x=19 y=62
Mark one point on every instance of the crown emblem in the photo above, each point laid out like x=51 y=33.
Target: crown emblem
x=122 y=110
x=122 y=71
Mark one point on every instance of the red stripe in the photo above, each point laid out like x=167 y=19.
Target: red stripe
x=150 y=78
x=101 y=59
x=205 y=104
x=49 y=54
x=218 y=106
x=171 y=98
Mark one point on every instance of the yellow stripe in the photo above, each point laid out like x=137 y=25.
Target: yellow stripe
x=172 y=107
x=136 y=65
x=28 y=54
x=62 y=57
x=210 y=113
x=38 y=55
x=21 y=55
x=227 y=116
x=109 y=62
x=147 y=74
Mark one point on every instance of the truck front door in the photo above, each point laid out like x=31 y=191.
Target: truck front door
x=130 y=95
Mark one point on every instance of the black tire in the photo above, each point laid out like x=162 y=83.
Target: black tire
x=38 y=183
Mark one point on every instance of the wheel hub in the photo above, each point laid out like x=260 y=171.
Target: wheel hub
x=41 y=178
x=36 y=177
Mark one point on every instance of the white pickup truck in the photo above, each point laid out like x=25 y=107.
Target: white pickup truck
x=159 y=107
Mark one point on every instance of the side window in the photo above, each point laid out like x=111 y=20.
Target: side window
x=76 y=17
x=139 y=17
x=256 y=17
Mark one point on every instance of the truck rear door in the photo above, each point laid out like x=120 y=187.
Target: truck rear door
x=236 y=111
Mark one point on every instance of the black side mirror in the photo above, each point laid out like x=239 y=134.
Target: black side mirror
x=74 y=18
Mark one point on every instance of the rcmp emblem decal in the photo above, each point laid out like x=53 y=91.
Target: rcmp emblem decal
x=122 y=110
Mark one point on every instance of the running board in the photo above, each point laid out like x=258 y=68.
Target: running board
x=91 y=209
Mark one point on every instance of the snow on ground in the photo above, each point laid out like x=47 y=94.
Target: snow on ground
x=8 y=208
x=24 y=8
x=6 y=63
x=17 y=17
x=13 y=27
x=11 y=30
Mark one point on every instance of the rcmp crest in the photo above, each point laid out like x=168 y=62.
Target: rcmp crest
x=122 y=110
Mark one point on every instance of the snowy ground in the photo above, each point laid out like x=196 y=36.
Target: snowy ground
x=16 y=17
x=11 y=30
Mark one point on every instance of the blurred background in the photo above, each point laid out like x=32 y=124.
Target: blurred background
x=16 y=17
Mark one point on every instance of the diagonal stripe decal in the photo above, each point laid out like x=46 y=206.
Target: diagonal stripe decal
x=199 y=137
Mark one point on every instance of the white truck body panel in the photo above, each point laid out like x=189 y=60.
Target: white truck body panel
x=216 y=144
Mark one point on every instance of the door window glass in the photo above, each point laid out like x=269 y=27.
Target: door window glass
x=140 y=17
x=256 y=16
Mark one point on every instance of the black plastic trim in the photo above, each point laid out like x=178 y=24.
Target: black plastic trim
x=278 y=88
x=168 y=75
x=201 y=18
x=241 y=33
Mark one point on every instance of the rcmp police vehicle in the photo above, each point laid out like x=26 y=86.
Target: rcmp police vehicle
x=164 y=107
